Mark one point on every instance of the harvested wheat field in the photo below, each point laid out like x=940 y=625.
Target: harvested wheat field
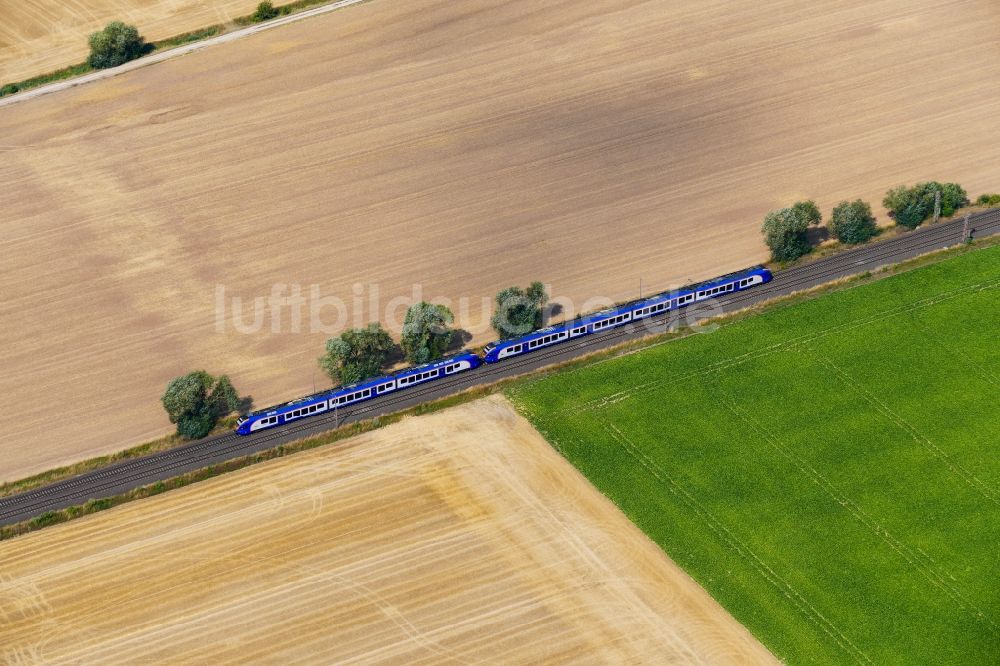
x=462 y=145
x=460 y=536
x=38 y=36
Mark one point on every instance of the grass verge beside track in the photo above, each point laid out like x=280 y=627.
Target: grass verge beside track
x=827 y=470
x=627 y=348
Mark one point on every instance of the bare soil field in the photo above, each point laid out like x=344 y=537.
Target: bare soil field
x=39 y=36
x=462 y=146
x=460 y=536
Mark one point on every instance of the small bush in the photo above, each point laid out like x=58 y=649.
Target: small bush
x=93 y=505
x=44 y=520
x=265 y=12
x=988 y=200
x=852 y=222
x=117 y=43
x=9 y=89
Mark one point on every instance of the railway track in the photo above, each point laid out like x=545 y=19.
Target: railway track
x=129 y=474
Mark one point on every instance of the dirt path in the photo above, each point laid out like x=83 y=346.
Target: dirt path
x=460 y=536
x=462 y=146
x=39 y=36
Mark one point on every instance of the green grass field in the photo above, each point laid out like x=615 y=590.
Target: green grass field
x=828 y=471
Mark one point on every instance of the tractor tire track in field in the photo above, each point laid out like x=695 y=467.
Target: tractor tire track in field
x=974 y=482
x=734 y=544
x=929 y=568
x=785 y=345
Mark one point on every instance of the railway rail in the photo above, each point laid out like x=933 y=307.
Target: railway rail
x=130 y=474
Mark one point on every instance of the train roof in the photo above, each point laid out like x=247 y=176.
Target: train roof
x=580 y=320
x=367 y=383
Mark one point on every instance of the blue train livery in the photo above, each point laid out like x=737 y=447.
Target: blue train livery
x=349 y=395
x=501 y=349
x=623 y=314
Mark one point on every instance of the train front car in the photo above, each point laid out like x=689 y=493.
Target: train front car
x=346 y=396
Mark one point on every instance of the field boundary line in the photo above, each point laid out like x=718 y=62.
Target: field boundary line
x=724 y=364
x=587 y=554
x=934 y=572
x=736 y=545
x=173 y=52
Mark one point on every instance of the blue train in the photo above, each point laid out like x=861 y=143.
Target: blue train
x=623 y=314
x=494 y=352
x=326 y=401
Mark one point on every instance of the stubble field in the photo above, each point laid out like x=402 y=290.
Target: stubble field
x=456 y=537
x=827 y=471
x=463 y=146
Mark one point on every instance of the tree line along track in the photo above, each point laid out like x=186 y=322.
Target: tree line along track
x=127 y=475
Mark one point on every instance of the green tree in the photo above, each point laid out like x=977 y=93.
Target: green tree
x=953 y=197
x=911 y=206
x=988 y=200
x=356 y=354
x=8 y=89
x=426 y=332
x=809 y=211
x=852 y=222
x=265 y=12
x=196 y=401
x=115 y=44
x=785 y=232
x=519 y=311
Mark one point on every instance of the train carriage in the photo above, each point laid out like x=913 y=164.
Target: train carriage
x=623 y=314
x=502 y=349
x=350 y=395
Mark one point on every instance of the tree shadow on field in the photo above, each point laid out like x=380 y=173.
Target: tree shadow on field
x=395 y=356
x=459 y=338
x=244 y=405
x=817 y=235
x=551 y=311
